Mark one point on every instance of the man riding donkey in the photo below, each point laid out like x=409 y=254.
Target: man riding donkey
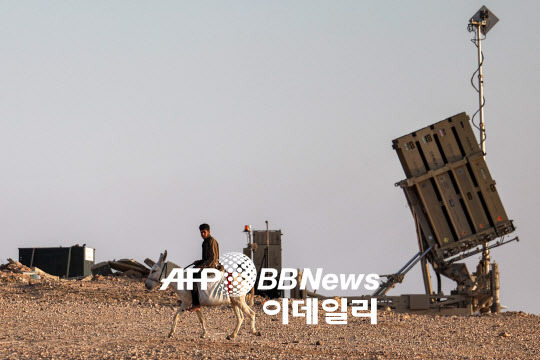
x=210 y=259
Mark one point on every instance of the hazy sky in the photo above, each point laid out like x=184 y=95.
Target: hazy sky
x=125 y=124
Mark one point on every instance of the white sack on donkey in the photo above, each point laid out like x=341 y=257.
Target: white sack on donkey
x=215 y=293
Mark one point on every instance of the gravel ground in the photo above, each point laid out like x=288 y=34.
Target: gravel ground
x=116 y=318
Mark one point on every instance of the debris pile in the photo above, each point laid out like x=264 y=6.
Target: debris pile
x=14 y=271
x=13 y=267
x=127 y=267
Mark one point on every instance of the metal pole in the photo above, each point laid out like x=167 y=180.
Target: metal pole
x=495 y=287
x=415 y=261
x=485 y=253
x=252 y=256
x=267 y=245
x=481 y=89
x=409 y=262
x=32 y=259
x=424 y=263
x=68 y=262
x=485 y=258
x=395 y=278
x=251 y=244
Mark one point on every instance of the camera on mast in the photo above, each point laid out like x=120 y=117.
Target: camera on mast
x=485 y=18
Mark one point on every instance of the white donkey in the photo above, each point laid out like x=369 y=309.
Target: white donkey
x=239 y=305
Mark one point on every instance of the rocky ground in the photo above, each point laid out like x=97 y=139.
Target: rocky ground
x=116 y=318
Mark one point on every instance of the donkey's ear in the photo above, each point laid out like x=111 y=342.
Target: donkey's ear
x=164 y=255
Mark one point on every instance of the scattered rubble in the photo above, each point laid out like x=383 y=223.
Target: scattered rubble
x=128 y=267
x=124 y=267
x=15 y=267
x=12 y=268
x=102 y=268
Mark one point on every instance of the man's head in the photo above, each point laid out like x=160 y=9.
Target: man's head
x=205 y=231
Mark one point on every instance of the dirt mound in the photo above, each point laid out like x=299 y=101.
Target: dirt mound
x=115 y=317
x=15 y=272
x=14 y=267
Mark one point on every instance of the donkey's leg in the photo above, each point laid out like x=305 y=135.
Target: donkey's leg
x=239 y=319
x=201 y=319
x=175 y=318
x=239 y=313
x=251 y=314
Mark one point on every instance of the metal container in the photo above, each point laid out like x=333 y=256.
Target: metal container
x=447 y=174
x=267 y=256
x=70 y=261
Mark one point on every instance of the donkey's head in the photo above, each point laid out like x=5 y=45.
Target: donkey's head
x=156 y=273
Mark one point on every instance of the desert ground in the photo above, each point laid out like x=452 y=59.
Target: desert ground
x=117 y=318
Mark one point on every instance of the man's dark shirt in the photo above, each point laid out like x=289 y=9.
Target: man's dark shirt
x=210 y=254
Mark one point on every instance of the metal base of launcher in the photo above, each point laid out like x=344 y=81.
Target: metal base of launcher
x=478 y=292
x=422 y=304
x=480 y=297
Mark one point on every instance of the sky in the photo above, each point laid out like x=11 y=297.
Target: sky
x=126 y=124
